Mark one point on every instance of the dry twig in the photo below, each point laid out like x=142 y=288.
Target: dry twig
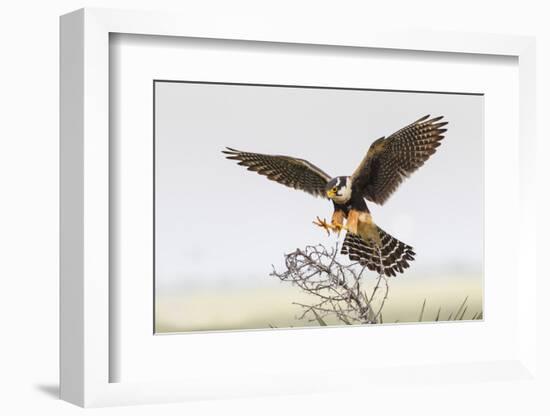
x=339 y=288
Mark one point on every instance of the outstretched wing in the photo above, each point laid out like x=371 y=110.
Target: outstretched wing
x=390 y=160
x=292 y=172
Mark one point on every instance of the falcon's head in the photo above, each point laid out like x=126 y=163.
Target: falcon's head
x=339 y=189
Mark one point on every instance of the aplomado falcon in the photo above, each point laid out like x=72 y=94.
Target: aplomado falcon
x=387 y=163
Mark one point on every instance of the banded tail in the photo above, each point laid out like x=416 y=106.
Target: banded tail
x=389 y=257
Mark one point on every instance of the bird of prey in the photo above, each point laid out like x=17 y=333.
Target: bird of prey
x=387 y=163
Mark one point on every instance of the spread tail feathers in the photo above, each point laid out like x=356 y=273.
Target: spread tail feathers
x=388 y=256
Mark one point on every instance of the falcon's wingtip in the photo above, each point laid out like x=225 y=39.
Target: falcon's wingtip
x=436 y=119
x=421 y=119
x=230 y=151
x=427 y=119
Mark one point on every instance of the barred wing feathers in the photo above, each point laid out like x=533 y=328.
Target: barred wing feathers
x=289 y=171
x=390 y=160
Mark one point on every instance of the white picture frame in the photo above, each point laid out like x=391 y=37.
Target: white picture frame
x=86 y=355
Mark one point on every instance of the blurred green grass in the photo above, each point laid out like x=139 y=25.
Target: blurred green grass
x=438 y=298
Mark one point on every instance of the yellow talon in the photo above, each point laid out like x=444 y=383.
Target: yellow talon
x=323 y=224
x=329 y=227
x=339 y=228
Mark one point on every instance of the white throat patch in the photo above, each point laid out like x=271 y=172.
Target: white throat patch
x=344 y=193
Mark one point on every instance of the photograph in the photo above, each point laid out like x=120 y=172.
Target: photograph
x=291 y=206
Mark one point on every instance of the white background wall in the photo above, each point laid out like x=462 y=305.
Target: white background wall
x=29 y=208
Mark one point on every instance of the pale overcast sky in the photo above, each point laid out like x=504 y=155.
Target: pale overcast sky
x=217 y=223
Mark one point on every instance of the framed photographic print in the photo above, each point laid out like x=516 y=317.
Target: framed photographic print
x=224 y=242
x=241 y=205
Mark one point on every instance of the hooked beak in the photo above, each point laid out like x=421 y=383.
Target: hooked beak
x=331 y=194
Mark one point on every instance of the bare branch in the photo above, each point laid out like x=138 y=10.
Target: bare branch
x=338 y=289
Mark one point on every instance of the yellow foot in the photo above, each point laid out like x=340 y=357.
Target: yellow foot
x=323 y=224
x=339 y=228
x=329 y=227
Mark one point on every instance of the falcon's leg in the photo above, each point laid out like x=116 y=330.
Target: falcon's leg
x=337 y=222
x=324 y=224
x=353 y=221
